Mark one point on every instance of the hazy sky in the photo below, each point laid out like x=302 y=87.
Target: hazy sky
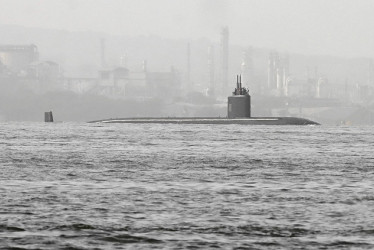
x=334 y=27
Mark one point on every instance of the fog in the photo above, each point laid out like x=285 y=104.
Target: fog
x=334 y=27
x=330 y=41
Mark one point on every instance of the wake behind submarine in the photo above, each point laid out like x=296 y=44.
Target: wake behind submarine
x=238 y=112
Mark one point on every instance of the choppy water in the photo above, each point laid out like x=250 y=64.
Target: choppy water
x=117 y=186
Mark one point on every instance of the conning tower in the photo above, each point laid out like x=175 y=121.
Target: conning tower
x=239 y=104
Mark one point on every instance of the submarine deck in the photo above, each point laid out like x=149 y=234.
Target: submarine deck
x=212 y=120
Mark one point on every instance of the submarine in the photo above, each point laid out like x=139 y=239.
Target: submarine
x=238 y=112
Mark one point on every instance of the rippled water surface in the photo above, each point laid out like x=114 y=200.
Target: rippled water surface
x=119 y=186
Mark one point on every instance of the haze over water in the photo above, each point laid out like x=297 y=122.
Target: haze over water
x=116 y=186
x=334 y=27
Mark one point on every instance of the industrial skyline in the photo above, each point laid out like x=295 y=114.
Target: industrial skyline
x=187 y=72
x=120 y=81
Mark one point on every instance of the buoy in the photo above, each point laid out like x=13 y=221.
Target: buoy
x=48 y=116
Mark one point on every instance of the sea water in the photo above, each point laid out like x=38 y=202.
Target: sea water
x=160 y=186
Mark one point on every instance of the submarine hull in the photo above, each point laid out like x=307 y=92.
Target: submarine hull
x=218 y=120
x=238 y=112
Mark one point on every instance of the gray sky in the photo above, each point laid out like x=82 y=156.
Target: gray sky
x=333 y=27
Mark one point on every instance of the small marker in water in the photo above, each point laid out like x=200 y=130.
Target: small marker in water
x=48 y=117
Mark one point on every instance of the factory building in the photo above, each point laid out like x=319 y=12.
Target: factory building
x=44 y=70
x=120 y=82
x=112 y=82
x=17 y=58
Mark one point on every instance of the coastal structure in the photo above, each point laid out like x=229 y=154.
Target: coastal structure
x=17 y=58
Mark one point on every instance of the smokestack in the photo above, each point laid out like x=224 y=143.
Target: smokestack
x=237 y=84
x=370 y=79
x=123 y=60
x=224 y=57
x=274 y=72
x=270 y=70
x=102 y=43
x=240 y=83
x=278 y=78
x=247 y=69
x=145 y=65
x=211 y=69
x=188 y=63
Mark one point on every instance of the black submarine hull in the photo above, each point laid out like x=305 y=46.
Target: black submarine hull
x=238 y=112
x=210 y=120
